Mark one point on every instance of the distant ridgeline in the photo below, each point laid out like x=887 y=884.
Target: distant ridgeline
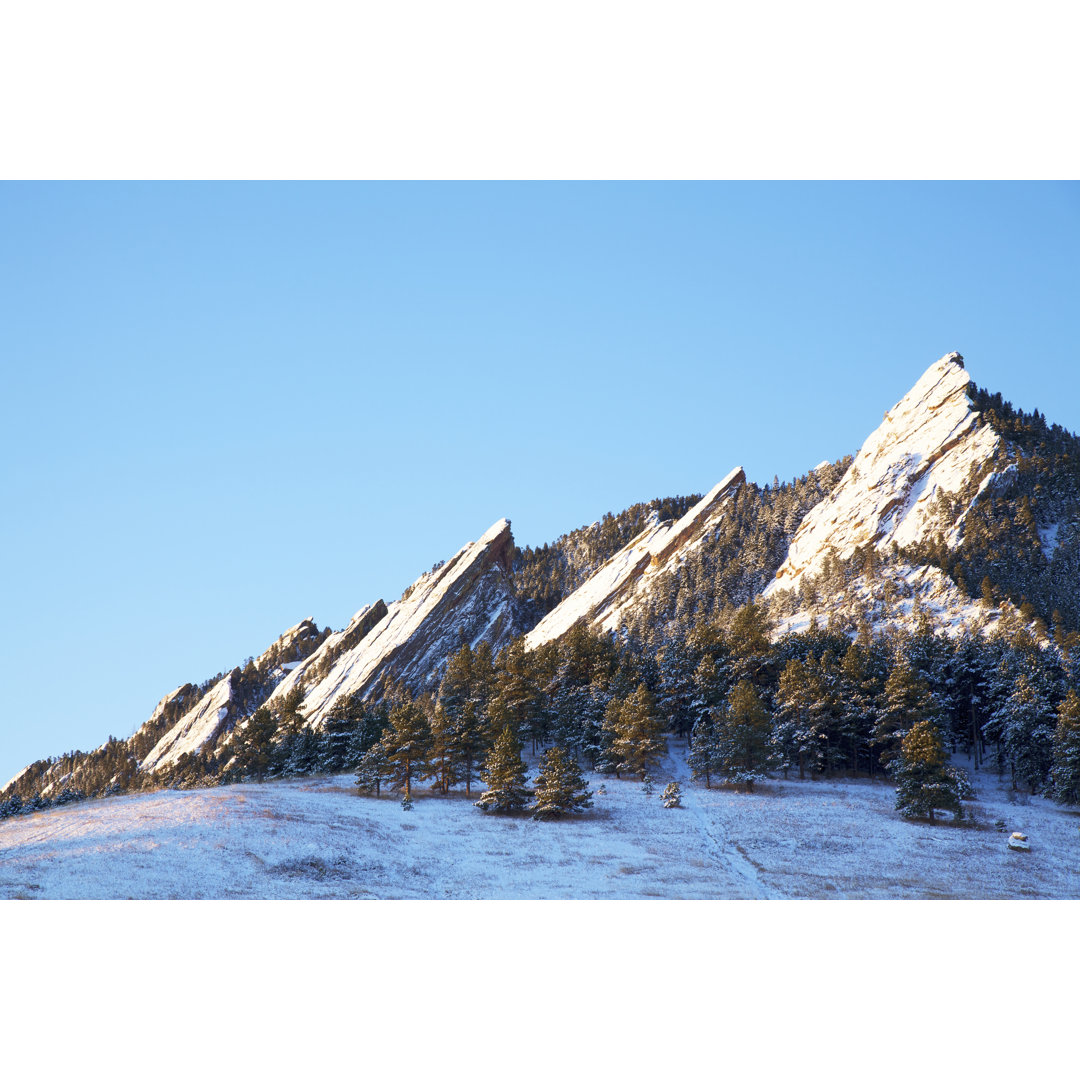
x=922 y=594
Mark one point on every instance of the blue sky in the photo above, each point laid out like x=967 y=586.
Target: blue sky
x=227 y=407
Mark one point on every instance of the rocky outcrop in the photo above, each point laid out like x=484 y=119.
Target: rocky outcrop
x=469 y=598
x=217 y=710
x=933 y=442
x=604 y=599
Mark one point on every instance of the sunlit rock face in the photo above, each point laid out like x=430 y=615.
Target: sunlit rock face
x=932 y=442
x=605 y=599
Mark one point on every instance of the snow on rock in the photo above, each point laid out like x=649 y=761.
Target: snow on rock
x=198 y=725
x=890 y=600
x=470 y=597
x=209 y=717
x=930 y=443
x=604 y=598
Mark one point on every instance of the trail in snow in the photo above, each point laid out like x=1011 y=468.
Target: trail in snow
x=731 y=854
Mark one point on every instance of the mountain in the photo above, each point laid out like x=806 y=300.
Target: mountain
x=959 y=513
x=469 y=598
x=931 y=444
x=605 y=599
x=225 y=702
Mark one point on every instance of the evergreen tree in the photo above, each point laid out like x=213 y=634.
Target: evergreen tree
x=337 y=734
x=372 y=770
x=560 y=787
x=905 y=701
x=469 y=743
x=407 y=745
x=254 y=754
x=672 y=796
x=704 y=750
x=442 y=761
x=1065 y=773
x=708 y=688
x=638 y=739
x=505 y=774
x=924 y=782
x=744 y=737
x=1028 y=725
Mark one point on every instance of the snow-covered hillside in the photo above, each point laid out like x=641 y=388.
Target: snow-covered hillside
x=316 y=838
x=933 y=442
x=604 y=599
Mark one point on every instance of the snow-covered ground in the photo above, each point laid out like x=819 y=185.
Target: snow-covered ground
x=316 y=838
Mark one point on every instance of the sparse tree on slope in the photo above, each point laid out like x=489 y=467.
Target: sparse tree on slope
x=505 y=774
x=560 y=787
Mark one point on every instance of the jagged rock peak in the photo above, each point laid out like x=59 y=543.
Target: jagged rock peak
x=604 y=599
x=930 y=443
x=469 y=597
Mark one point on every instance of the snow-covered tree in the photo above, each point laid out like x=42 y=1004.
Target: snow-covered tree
x=1065 y=772
x=672 y=795
x=560 y=787
x=743 y=737
x=505 y=774
x=638 y=739
x=924 y=781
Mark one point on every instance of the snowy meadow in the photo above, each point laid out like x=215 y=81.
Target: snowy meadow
x=315 y=838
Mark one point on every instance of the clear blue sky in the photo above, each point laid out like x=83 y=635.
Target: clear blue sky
x=226 y=407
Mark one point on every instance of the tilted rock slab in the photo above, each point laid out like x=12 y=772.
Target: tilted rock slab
x=931 y=442
x=606 y=598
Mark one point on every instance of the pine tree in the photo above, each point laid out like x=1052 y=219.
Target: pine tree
x=1028 y=726
x=505 y=774
x=797 y=696
x=639 y=735
x=924 y=782
x=373 y=769
x=744 y=737
x=672 y=796
x=407 y=745
x=704 y=750
x=469 y=743
x=254 y=754
x=442 y=761
x=1065 y=773
x=560 y=787
x=905 y=701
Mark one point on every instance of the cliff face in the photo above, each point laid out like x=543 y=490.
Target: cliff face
x=218 y=709
x=933 y=442
x=469 y=598
x=604 y=599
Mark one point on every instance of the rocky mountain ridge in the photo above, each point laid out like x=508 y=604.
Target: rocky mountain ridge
x=932 y=463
